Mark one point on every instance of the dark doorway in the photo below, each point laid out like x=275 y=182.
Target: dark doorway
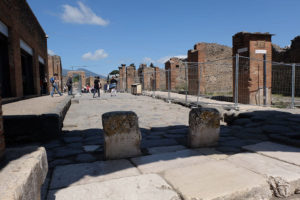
x=27 y=73
x=43 y=79
x=4 y=68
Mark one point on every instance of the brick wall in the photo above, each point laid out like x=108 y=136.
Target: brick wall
x=22 y=24
x=214 y=77
x=177 y=74
x=55 y=66
x=2 y=142
x=131 y=75
x=251 y=71
x=81 y=73
x=122 y=78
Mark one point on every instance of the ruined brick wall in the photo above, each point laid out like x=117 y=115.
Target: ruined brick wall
x=162 y=80
x=146 y=77
x=281 y=74
x=214 y=77
x=2 y=142
x=90 y=81
x=131 y=75
x=251 y=71
x=22 y=24
x=55 y=67
x=122 y=78
x=177 y=74
x=82 y=75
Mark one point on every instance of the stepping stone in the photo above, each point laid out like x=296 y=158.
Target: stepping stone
x=78 y=174
x=158 y=150
x=218 y=179
x=271 y=168
x=278 y=151
x=143 y=187
x=160 y=162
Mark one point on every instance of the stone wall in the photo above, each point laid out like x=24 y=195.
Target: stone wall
x=215 y=76
x=55 y=67
x=122 y=78
x=21 y=23
x=2 y=142
x=282 y=75
x=131 y=75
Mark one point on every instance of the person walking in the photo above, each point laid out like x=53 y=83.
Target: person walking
x=54 y=81
x=70 y=85
x=112 y=86
x=96 y=86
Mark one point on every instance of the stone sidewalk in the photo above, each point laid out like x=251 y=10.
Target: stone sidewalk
x=167 y=169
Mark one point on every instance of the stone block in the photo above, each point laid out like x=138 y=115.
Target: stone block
x=22 y=173
x=204 y=127
x=122 y=135
x=160 y=162
x=285 y=176
x=143 y=187
x=217 y=179
x=278 y=151
x=84 y=173
x=167 y=149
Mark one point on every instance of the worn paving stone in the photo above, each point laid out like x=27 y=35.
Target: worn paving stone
x=67 y=151
x=143 y=187
x=75 y=144
x=53 y=144
x=78 y=174
x=153 y=137
x=278 y=151
x=159 y=129
x=212 y=153
x=57 y=162
x=158 y=143
x=182 y=131
x=72 y=139
x=158 y=150
x=160 y=162
x=91 y=148
x=228 y=149
x=174 y=136
x=275 y=129
x=271 y=168
x=85 y=157
x=242 y=121
x=217 y=179
x=157 y=133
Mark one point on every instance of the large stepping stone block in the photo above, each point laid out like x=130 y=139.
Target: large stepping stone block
x=84 y=173
x=144 y=187
x=122 y=135
x=218 y=179
x=278 y=151
x=204 y=127
x=284 y=178
x=22 y=173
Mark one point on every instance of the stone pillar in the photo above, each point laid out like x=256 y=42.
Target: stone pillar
x=157 y=78
x=122 y=135
x=204 y=127
x=2 y=142
x=130 y=77
x=251 y=71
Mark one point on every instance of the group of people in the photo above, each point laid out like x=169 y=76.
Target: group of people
x=109 y=87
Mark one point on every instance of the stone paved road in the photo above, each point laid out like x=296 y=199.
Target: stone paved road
x=74 y=158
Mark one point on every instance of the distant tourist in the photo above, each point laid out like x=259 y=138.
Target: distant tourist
x=112 y=86
x=69 y=85
x=96 y=86
x=54 y=81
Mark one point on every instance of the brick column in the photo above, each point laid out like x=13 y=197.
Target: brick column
x=251 y=71
x=2 y=142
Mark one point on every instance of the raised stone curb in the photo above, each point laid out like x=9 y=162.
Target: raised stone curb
x=22 y=173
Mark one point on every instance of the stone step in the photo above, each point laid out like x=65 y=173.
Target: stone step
x=143 y=187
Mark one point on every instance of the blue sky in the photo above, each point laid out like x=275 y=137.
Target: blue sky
x=102 y=34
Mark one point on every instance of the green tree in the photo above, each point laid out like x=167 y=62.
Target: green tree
x=114 y=72
x=151 y=65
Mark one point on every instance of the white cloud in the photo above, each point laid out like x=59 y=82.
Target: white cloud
x=166 y=58
x=81 y=15
x=148 y=60
x=50 y=52
x=97 y=55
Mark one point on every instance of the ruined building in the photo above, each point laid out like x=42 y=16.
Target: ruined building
x=81 y=74
x=23 y=50
x=176 y=70
x=55 y=67
x=210 y=77
x=250 y=79
x=282 y=74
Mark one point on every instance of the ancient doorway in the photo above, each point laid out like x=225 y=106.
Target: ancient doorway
x=4 y=68
x=43 y=79
x=27 y=73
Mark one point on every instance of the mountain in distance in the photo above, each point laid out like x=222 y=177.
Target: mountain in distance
x=88 y=73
